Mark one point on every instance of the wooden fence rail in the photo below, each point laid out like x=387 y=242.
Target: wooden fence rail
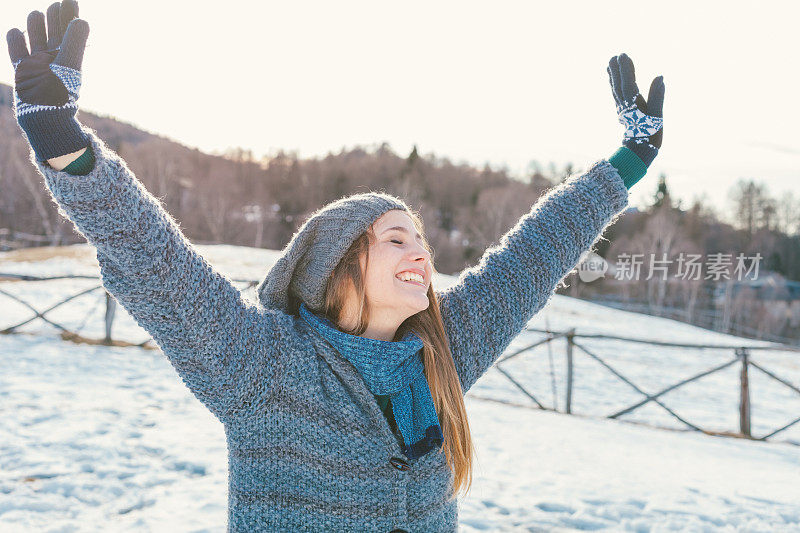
x=742 y=356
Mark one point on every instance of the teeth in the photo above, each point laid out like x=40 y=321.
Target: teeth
x=410 y=276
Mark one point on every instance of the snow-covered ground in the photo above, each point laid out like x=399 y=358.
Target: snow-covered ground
x=104 y=438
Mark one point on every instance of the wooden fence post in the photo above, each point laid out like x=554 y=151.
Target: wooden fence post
x=111 y=306
x=744 y=394
x=568 y=403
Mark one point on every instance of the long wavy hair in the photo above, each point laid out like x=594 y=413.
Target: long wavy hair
x=440 y=370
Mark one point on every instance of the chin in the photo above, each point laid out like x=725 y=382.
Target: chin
x=416 y=304
x=426 y=305
x=416 y=312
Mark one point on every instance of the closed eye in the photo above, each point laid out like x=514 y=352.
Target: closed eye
x=395 y=240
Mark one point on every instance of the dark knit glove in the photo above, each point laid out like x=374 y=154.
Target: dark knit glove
x=643 y=121
x=47 y=80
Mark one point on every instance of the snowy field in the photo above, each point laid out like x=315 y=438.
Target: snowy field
x=96 y=438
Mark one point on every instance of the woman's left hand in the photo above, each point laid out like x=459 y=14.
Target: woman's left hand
x=643 y=121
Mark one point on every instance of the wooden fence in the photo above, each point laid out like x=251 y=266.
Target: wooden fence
x=741 y=356
x=75 y=333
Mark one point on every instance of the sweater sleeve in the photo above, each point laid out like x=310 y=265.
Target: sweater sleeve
x=494 y=300
x=224 y=348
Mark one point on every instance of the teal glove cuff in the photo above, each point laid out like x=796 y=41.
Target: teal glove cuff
x=83 y=165
x=630 y=167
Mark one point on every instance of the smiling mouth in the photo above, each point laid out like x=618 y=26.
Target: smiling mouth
x=412 y=282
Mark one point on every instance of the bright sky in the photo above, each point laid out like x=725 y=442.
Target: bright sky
x=498 y=82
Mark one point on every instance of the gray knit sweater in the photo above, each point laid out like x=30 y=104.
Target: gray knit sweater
x=308 y=446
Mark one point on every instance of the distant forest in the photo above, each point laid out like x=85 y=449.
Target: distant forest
x=242 y=200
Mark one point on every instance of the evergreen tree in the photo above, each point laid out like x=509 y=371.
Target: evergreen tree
x=662 y=196
x=412 y=157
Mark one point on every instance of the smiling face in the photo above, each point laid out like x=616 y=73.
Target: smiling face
x=397 y=247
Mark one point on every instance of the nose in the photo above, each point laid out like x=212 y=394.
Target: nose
x=421 y=254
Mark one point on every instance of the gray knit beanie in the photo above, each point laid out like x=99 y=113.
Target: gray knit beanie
x=301 y=272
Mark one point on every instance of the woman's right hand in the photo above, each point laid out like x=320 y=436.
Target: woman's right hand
x=48 y=79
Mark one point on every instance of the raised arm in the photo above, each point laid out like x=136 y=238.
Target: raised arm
x=225 y=349
x=493 y=301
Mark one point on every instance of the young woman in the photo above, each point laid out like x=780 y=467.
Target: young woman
x=341 y=390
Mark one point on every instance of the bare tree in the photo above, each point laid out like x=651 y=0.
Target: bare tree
x=753 y=207
x=745 y=199
x=788 y=213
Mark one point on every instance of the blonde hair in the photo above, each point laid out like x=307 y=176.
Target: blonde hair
x=440 y=370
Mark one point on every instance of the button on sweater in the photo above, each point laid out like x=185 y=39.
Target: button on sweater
x=309 y=448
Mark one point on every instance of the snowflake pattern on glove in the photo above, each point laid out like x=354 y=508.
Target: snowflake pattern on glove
x=638 y=125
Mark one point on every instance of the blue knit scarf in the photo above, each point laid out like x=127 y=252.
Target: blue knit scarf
x=396 y=369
